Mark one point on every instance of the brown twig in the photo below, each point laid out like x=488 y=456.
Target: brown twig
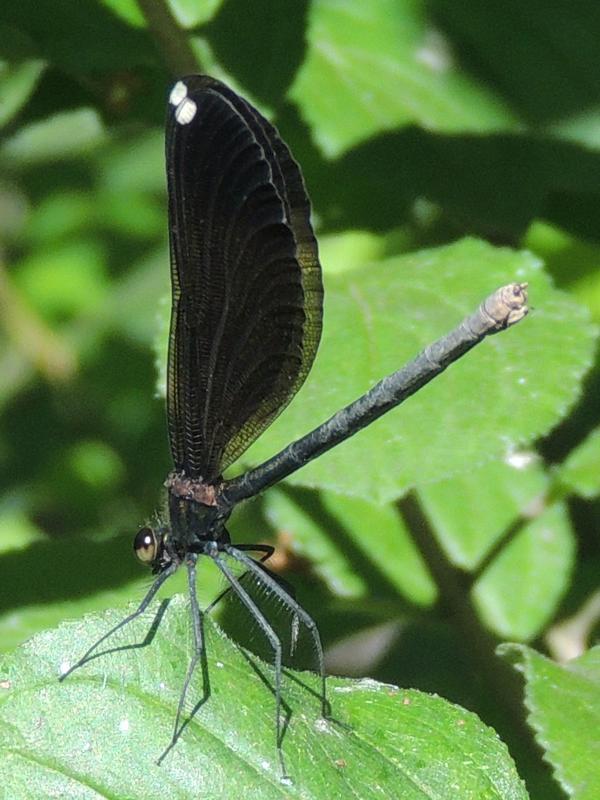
x=172 y=41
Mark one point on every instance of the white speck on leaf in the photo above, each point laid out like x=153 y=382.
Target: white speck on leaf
x=435 y=52
x=322 y=725
x=520 y=460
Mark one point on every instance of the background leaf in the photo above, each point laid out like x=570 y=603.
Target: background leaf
x=335 y=532
x=65 y=135
x=384 y=67
x=581 y=471
x=505 y=504
x=563 y=701
x=16 y=85
x=539 y=38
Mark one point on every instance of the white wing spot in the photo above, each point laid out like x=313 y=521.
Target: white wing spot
x=178 y=93
x=185 y=111
x=124 y=725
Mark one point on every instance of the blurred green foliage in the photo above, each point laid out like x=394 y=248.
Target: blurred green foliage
x=416 y=124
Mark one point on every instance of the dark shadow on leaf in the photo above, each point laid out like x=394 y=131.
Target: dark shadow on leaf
x=490 y=185
x=264 y=45
x=80 y=38
x=487 y=185
x=379 y=585
x=540 y=57
x=253 y=663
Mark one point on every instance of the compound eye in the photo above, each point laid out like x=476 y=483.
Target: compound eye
x=145 y=545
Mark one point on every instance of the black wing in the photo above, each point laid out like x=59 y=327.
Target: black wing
x=247 y=292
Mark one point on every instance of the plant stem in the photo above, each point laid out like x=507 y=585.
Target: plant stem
x=501 y=680
x=172 y=41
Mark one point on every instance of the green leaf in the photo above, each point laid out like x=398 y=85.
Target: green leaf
x=309 y=539
x=64 y=135
x=191 y=13
x=574 y=263
x=79 y=39
x=99 y=732
x=65 y=280
x=520 y=590
x=15 y=213
x=350 y=250
x=139 y=169
x=381 y=65
x=580 y=127
x=18 y=624
x=95 y=463
x=493 y=497
x=61 y=215
x=379 y=317
x=580 y=473
x=132 y=214
x=17 y=83
x=564 y=710
x=17 y=531
x=543 y=38
x=128 y=10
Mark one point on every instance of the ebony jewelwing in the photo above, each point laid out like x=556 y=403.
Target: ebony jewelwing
x=245 y=326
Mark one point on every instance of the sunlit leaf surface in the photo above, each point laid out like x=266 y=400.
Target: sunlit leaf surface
x=100 y=732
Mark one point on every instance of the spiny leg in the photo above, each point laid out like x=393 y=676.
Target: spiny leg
x=295 y=608
x=199 y=655
x=129 y=618
x=274 y=642
x=267 y=551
